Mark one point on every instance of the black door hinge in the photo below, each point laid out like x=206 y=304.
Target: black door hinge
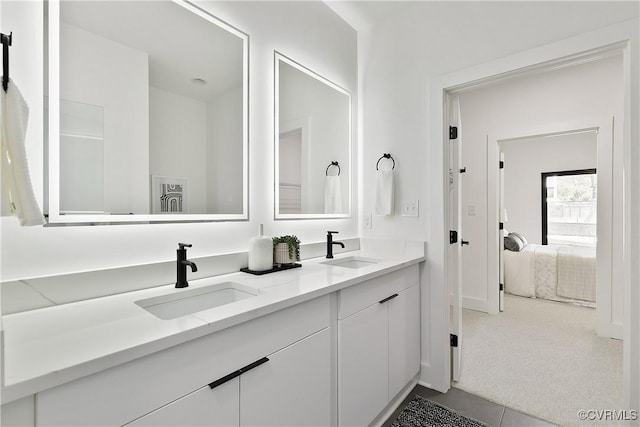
x=502 y=286
x=453 y=236
x=453 y=340
x=501 y=226
x=463 y=170
x=453 y=132
x=501 y=164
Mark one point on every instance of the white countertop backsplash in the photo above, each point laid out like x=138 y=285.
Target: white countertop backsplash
x=49 y=346
x=38 y=292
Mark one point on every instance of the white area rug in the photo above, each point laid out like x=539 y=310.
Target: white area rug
x=542 y=358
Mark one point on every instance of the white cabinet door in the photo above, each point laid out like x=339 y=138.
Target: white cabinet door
x=204 y=407
x=293 y=388
x=404 y=338
x=363 y=365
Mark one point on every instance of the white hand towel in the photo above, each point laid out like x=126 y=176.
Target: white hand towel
x=332 y=195
x=17 y=193
x=384 y=193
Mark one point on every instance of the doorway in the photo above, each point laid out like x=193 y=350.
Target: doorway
x=474 y=177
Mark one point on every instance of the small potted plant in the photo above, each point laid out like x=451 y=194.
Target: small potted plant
x=286 y=249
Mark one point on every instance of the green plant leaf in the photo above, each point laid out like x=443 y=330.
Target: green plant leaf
x=294 y=245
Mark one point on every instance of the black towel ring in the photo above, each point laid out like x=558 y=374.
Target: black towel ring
x=386 y=156
x=332 y=164
x=6 y=42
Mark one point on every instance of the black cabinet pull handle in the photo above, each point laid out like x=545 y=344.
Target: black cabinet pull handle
x=225 y=379
x=237 y=373
x=388 y=298
x=254 y=365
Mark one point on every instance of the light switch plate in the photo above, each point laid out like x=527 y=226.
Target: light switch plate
x=367 y=220
x=410 y=208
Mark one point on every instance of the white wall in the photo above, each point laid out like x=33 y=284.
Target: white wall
x=177 y=139
x=307 y=31
x=90 y=67
x=525 y=160
x=224 y=153
x=588 y=91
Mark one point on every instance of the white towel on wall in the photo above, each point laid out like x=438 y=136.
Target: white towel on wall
x=17 y=193
x=332 y=195
x=384 y=193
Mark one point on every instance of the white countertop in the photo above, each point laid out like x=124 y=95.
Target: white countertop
x=51 y=346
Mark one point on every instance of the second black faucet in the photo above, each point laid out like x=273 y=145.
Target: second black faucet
x=330 y=243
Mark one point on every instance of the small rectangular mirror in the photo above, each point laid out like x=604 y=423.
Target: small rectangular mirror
x=312 y=144
x=147 y=113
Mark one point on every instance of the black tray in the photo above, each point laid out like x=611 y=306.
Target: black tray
x=276 y=268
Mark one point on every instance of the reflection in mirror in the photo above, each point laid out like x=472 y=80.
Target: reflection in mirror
x=313 y=144
x=147 y=113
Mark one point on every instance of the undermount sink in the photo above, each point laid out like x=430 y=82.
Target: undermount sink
x=183 y=302
x=352 y=262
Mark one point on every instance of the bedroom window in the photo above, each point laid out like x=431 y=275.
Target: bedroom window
x=569 y=207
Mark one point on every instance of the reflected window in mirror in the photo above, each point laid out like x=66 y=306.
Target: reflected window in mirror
x=147 y=113
x=313 y=144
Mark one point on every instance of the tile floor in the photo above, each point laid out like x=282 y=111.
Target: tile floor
x=472 y=406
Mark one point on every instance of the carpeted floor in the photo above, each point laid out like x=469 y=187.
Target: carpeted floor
x=541 y=358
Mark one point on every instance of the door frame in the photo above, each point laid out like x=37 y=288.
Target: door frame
x=604 y=127
x=436 y=367
x=454 y=221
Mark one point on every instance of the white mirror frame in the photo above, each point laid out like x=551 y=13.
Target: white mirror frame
x=278 y=57
x=53 y=129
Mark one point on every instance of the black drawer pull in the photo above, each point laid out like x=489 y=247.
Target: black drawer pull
x=388 y=298
x=225 y=379
x=237 y=373
x=254 y=365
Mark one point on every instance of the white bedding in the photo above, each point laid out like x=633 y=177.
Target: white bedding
x=577 y=273
x=519 y=272
x=552 y=272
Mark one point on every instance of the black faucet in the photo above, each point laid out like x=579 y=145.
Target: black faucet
x=330 y=243
x=182 y=265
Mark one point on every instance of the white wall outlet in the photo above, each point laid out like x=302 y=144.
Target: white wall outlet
x=367 y=220
x=410 y=208
x=471 y=210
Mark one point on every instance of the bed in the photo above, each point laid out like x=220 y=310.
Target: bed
x=558 y=273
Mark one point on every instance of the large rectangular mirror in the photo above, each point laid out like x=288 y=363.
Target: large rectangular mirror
x=312 y=144
x=148 y=113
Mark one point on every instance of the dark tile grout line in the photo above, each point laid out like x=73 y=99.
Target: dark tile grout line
x=504 y=409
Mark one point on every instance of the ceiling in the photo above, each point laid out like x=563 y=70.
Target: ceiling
x=432 y=38
x=366 y=13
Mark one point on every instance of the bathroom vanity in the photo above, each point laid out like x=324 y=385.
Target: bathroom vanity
x=335 y=342
x=332 y=343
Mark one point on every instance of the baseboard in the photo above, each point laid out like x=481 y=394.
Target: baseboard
x=617 y=331
x=393 y=405
x=475 y=304
x=434 y=380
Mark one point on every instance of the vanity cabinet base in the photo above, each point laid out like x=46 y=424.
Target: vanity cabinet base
x=130 y=391
x=378 y=344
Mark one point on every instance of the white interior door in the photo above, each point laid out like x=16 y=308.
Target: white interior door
x=455 y=227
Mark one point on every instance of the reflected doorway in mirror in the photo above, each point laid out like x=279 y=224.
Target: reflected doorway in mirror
x=169 y=195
